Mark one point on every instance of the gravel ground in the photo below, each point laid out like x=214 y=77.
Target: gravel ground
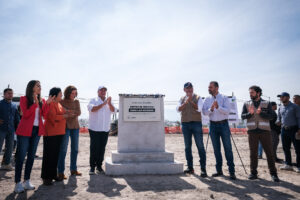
x=158 y=186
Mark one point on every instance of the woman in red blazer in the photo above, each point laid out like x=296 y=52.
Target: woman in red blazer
x=30 y=128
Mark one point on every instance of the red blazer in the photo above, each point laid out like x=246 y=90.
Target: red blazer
x=26 y=123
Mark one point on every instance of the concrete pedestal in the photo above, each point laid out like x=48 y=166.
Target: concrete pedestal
x=141 y=139
x=142 y=163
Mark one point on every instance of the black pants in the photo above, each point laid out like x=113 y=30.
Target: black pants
x=98 y=141
x=287 y=138
x=275 y=142
x=50 y=156
x=266 y=141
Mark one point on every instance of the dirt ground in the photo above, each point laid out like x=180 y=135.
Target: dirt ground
x=158 y=186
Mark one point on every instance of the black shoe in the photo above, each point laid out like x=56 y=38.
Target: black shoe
x=259 y=157
x=189 y=171
x=232 y=176
x=59 y=178
x=217 y=174
x=275 y=178
x=203 y=174
x=252 y=177
x=47 y=182
x=99 y=170
x=92 y=171
x=277 y=160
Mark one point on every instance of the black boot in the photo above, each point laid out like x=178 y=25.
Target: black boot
x=217 y=174
x=275 y=178
x=232 y=176
x=252 y=177
x=47 y=182
x=189 y=170
x=203 y=173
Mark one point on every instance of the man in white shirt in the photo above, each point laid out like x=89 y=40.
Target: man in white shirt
x=190 y=107
x=100 y=110
x=217 y=107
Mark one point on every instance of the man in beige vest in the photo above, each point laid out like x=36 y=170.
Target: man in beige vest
x=258 y=113
x=190 y=107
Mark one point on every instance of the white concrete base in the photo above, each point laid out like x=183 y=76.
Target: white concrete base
x=118 y=157
x=141 y=142
x=142 y=163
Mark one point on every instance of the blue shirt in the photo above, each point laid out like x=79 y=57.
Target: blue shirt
x=10 y=116
x=289 y=115
x=219 y=114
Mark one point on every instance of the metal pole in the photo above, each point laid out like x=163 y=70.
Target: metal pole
x=238 y=154
x=207 y=141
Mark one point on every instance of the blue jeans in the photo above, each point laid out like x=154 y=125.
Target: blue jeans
x=219 y=131
x=287 y=138
x=26 y=145
x=74 y=134
x=260 y=149
x=189 y=129
x=9 y=143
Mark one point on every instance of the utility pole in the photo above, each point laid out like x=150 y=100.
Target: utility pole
x=267 y=97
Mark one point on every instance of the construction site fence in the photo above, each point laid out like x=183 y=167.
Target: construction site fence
x=177 y=130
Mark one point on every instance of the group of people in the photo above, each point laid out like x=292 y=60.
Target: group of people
x=56 y=119
x=263 y=124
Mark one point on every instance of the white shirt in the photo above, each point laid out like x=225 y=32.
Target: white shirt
x=37 y=117
x=200 y=104
x=100 y=119
x=219 y=114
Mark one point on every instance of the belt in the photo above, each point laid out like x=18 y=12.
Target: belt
x=290 y=127
x=219 y=122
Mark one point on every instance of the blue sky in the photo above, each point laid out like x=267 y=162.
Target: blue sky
x=151 y=46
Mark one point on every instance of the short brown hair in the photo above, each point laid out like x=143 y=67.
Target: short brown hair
x=68 y=91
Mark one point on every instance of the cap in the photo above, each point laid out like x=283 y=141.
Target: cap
x=284 y=94
x=273 y=103
x=101 y=87
x=187 y=85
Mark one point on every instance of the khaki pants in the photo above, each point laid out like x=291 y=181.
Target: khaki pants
x=266 y=141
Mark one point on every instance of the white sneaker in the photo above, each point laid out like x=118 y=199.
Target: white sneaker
x=297 y=170
x=286 y=167
x=28 y=186
x=7 y=167
x=19 y=188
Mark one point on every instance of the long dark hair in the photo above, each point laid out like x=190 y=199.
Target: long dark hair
x=29 y=93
